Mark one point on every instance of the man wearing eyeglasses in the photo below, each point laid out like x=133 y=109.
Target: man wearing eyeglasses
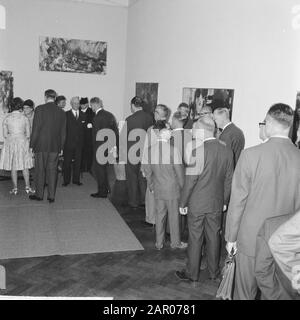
x=265 y=184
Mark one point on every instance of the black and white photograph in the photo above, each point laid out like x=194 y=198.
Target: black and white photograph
x=149 y=152
x=149 y=93
x=72 y=55
x=198 y=98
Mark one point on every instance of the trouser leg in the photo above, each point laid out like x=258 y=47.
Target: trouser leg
x=102 y=180
x=212 y=228
x=245 y=282
x=52 y=164
x=142 y=186
x=67 y=166
x=173 y=219
x=196 y=235
x=132 y=184
x=76 y=165
x=160 y=221
x=40 y=174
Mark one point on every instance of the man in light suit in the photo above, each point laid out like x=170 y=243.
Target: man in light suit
x=285 y=246
x=164 y=172
x=47 y=141
x=204 y=195
x=265 y=184
x=272 y=282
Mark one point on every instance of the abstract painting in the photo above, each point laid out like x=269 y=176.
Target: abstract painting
x=149 y=93
x=198 y=98
x=6 y=90
x=71 y=55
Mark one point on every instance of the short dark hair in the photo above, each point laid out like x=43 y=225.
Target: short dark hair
x=137 y=102
x=16 y=104
x=28 y=103
x=184 y=105
x=282 y=113
x=219 y=104
x=84 y=101
x=50 y=94
x=60 y=98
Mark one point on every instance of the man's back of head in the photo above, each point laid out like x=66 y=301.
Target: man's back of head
x=279 y=120
x=50 y=95
x=136 y=104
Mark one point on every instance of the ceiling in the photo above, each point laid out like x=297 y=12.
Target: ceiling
x=118 y=3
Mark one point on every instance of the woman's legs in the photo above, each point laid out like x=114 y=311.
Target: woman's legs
x=26 y=178
x=14 y=178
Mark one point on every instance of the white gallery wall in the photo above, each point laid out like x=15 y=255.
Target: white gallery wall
x=250 y=46
x=19 y=48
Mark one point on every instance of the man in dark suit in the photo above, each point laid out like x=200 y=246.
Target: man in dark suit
x=272 y=282
x=230 y=133
x=76 y=122
x=260 y=182
x=87 y=150
x=105 y=145
x=136 y=183
x=47 y=142
x=205 y=193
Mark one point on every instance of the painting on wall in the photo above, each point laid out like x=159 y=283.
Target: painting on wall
x=295 y=130
x=6 y=90
x=71 y=55
x=149 y=93
x=198 y=98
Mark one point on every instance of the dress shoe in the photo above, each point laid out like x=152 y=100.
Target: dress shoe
x=181 y=275
x=98 y=195
x=50 y=200
x=65 y=184
x=216 y=279
x=78 y=183
x=147 y=224
x=34 y=197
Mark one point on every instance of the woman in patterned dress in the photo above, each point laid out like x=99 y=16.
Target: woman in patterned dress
x=16 y=154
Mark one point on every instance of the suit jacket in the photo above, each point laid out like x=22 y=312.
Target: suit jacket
x=75 y=130
x=266 y=183
x=138 y=120
x=164 y=171
x=285 y=245
x=273 y=283
x=234 y=139
x=104 y=120
x=180 y=139
x=48 y=129
x=209 y=189
x=88 y=132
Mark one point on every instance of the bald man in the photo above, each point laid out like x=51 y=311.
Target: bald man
x=74 y=143
x=204 y=195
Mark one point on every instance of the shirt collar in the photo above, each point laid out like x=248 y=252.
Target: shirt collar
x=209 y=139
x=228 y=124
x=178 y=129
x=279 y=136
x=98 y=110
x=84 y=110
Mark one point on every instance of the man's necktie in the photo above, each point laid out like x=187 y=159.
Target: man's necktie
x=76 y=115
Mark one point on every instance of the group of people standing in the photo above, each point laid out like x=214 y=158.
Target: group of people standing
x=191 y=172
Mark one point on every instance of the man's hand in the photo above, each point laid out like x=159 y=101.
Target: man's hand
x=61 y=153
x=231 y=248
x=224 y=208
x=296 y=278
x=183 y=211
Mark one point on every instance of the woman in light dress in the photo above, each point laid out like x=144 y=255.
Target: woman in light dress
x=161 y=115
x=16 y=154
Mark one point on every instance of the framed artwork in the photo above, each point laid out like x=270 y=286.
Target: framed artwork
x=197 y=98
x=6 y=90
x=71 y=55
x=149 y=93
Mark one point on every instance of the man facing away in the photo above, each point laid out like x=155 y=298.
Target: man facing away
x=47 y=142
x=103 y=120
x=231 y=134
x=205 y=192
x=87 y=150
x=76 y=122
x=164 y=172
x=136 y=183
x=265 y=184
